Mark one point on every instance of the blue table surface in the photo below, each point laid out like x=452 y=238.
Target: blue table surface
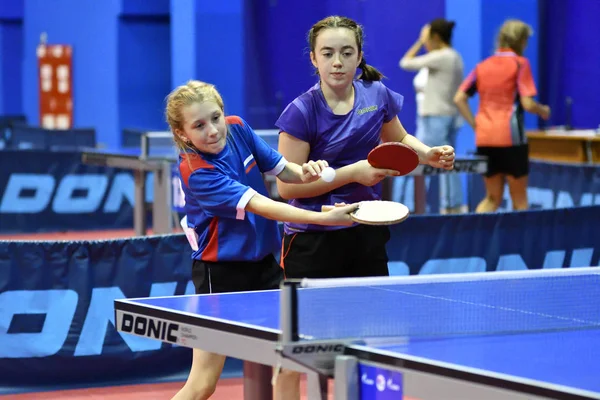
x=569 y=357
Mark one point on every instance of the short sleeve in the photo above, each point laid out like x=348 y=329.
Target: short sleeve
x=268 y=160
x=525 y=82
x=293 y=121
x=469 y=85
x=393 y=103
x=218 y=194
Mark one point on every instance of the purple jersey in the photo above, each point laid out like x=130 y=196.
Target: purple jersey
x=339 y=139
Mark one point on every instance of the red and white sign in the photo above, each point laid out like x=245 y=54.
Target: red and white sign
x=55 y=68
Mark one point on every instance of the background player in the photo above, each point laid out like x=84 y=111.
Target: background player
x=506 y=88
x=438 y=118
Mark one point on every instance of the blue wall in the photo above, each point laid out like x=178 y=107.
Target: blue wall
x=183 y=44
x=572 y=56
x=11 y=56
x=207 y=40
x=92 y=31
x=278 y=51
x=128 y=54
x=121 y=61
x=390 y=31
x=144 y=70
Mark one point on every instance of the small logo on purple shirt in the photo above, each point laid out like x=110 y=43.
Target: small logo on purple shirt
x=367 y=109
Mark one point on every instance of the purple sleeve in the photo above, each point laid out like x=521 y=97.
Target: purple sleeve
x=293 y=121
x=392 y=103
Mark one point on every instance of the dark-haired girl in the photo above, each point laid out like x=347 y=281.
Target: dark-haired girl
x=438 y=120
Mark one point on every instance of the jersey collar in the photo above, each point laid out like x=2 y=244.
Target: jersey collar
x=505 y=52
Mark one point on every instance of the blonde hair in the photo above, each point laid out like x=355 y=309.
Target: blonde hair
x=182 y=96
x=513 y=34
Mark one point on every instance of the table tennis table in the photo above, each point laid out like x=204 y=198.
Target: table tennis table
x=531 y=334
x=159 y=158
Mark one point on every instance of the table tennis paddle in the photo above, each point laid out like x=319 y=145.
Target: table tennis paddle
x=377 y=212
x=394 y=155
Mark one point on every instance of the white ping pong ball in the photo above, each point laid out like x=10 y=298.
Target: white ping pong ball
x=328 y=174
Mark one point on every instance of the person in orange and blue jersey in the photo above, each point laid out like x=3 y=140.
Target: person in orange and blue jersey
x=506 y=89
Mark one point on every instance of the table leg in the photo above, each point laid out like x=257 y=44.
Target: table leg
x=316 y=386
x=162 y=222
x=257 y=381
x=420 y=194
x=346 y=378
x=139 y=203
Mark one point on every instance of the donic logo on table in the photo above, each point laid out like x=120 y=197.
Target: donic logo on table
x=150 y=327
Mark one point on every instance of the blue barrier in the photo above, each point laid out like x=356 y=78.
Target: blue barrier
x=551 y=185
x=53 y=191
x=56 y=298
x=56 y=308
x=495 y=242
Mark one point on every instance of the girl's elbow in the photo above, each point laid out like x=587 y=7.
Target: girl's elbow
x=406 y=65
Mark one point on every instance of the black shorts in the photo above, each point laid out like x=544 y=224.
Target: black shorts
x=512 y=160
x=236 y=276
x=358 y=251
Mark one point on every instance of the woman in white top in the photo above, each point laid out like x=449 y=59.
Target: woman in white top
x=438 y=118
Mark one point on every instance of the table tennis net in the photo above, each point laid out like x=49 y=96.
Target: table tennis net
x=447 y=305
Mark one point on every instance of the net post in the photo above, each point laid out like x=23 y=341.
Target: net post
x=288 y=310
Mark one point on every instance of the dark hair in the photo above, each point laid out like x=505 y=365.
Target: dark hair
x=443 y=28
x=369 y=73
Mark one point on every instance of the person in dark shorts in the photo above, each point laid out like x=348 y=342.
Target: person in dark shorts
x=231 y=221
x=341 y=119
x=506 y=89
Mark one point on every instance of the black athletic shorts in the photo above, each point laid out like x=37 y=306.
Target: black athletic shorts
x=358 y=251
x=512 y=160
x=236 y=276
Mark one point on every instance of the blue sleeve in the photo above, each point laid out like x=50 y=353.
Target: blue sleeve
x=218 y=194
x=392 y=103
x=268 y=160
